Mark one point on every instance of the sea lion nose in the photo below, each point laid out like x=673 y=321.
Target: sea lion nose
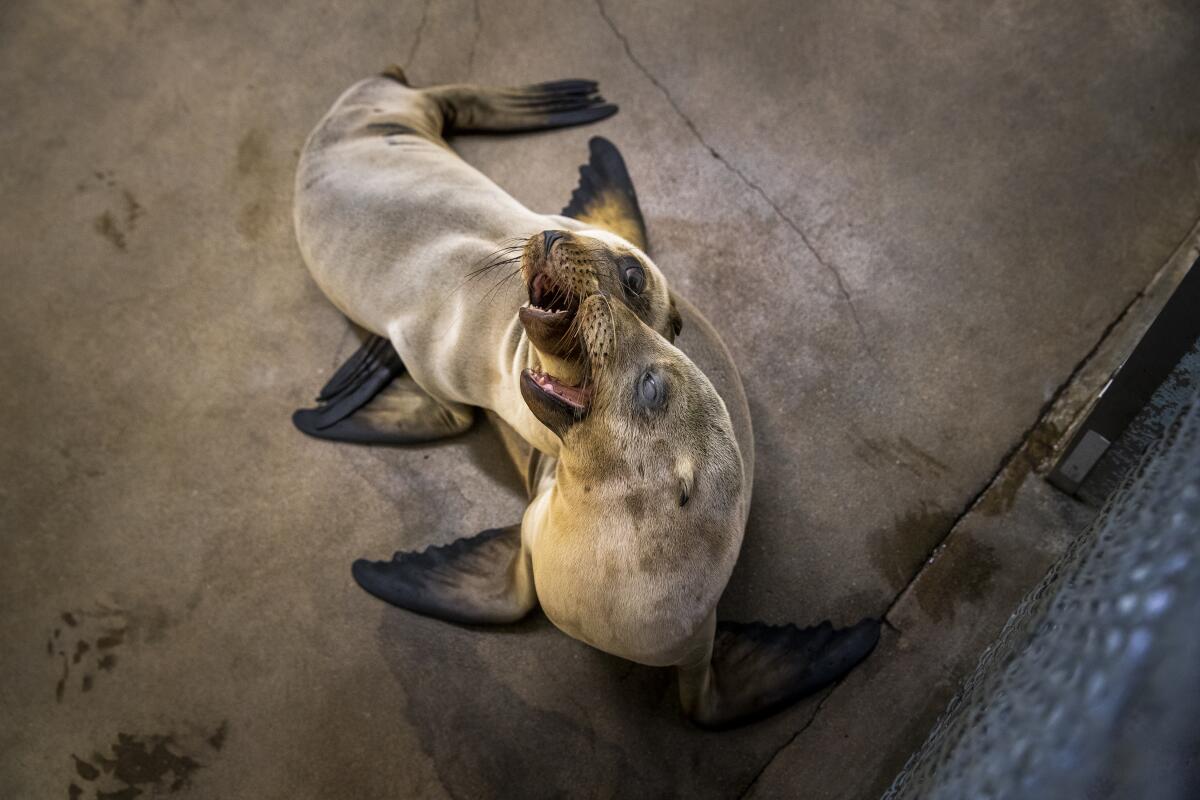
x=549 y=238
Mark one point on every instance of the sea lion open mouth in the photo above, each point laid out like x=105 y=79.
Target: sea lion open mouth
x=548 y=317
x=556 y=404
x=577 y=398
x=549 y=321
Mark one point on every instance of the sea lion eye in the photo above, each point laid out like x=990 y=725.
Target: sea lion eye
x=651 y=391
x=633 y=275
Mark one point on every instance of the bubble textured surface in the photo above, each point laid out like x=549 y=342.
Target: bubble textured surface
x=1093 y=687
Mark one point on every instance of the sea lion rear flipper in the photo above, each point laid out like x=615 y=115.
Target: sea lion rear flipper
x=536 y=107
x=369 y=400
x=605 y=196
x=482 y=579
x=757 y=669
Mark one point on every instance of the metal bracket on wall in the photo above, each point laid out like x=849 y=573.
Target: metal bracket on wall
x=1165 y=342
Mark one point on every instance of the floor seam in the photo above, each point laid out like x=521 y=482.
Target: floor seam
x=1012 y=453
x=1043 y=413
x=811 y=719
x=843 y=290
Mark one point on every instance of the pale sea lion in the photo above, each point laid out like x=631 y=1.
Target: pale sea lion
x=639 y=470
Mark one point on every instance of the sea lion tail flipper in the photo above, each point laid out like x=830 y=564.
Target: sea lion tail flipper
x=369 y=400
x=758 y=669
x=605 y=196
x=539 y=106
x=485 y=578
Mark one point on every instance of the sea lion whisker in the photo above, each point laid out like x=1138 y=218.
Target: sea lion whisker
x=477 y=274
x=496 y=286
x=504 y=248
x=495 y=259
x=492 y=266
x=573 y=332
x=469 y=277
x=612 y=325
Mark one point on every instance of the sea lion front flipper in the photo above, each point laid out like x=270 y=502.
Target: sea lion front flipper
x=369 y=400
x=540 y=106
x=756 y=669
x=485 y=578
x=605 y=196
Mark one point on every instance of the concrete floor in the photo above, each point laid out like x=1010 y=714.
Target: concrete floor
x=910 y=222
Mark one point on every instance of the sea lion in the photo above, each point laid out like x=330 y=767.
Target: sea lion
x=639 y=472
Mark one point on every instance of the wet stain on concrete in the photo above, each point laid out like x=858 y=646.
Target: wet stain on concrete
x=60 y=687
x=86 y=646
x=487 y=740
x=107 y=227
x=251 y=152
x=899 y=552
x=900 y=453
x=77 y=464
x=85 y=770
x=217 y=740
x=253 y=167
x=1032 y=456
x=133 y=209
x=251 y=219
x=145 y=765
x=967 y=568
x=115 y=225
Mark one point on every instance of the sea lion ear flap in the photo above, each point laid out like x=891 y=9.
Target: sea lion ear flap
x=687 y=478
x=673 y=317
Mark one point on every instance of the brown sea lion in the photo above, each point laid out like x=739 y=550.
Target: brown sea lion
x=639 y=467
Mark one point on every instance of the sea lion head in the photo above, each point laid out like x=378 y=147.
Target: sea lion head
x=563 y=267
x=649 y=488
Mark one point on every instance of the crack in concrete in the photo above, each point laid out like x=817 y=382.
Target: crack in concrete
x=475 y=39
x=416 y=43
x=811 y=719
x=843 y=290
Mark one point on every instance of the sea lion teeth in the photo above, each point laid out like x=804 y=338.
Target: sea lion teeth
x=546 y=293
x=557 y=313
x=550 y=330
x=576 y=396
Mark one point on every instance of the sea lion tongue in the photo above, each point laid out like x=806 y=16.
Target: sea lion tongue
x=557 y=405
x=578 y=397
